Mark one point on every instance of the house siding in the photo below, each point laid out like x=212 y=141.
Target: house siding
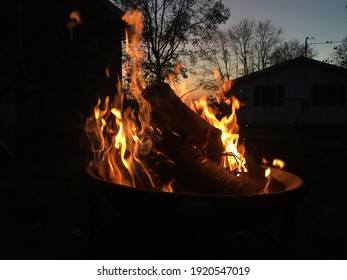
x=298 y=79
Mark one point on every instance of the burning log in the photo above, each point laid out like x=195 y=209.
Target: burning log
x=169 y=112
x=202 y=174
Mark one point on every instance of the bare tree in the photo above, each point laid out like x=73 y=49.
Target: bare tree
x=241 y=38
x=249 y=44
x=216 y=55
x=339 y=55
x=289 y=50
x=267 y=37
x=170 y=25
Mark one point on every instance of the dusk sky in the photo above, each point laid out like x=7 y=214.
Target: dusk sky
x=326 y=20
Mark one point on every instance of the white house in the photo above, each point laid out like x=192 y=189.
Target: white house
x=301 y=90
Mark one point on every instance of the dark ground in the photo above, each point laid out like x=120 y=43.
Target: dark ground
x=44 y=207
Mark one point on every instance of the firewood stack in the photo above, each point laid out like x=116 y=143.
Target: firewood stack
x=195 y=148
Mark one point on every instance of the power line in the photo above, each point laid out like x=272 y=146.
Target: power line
x=318 y=43
x=326 y=42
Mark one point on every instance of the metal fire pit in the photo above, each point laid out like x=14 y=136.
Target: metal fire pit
x=175 y=211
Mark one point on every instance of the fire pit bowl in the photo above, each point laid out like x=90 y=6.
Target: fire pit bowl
x=202 y=211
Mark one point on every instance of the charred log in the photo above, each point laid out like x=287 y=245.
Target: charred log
x=201 y=174
x=170 y=113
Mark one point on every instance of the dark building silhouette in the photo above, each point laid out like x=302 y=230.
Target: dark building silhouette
x=58 y=66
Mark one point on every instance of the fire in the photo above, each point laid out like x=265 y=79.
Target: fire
x=277 y=163
x=267 y=175
x=168 y=187
x=75 y=19
x=122 y=138
x=134 y=51
x=234 y=152
x=179 y=88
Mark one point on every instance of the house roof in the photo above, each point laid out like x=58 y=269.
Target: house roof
x=291 y=62
x=113 y=8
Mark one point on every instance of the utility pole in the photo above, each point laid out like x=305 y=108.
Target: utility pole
x=306 y=46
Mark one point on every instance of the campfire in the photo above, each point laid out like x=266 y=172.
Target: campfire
x=164 y=144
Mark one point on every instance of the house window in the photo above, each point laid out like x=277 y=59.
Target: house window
x=328 y=95
x=269 y=95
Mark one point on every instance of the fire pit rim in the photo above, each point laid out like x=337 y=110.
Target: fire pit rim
x=297 y=184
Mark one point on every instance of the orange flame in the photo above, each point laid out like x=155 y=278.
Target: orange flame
x=168 y=187
x=267 y=175
x=75 y=19
x=235 y=159
x=120 y=138
x=179 y=88
x=278 y=163
x=133 y=35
